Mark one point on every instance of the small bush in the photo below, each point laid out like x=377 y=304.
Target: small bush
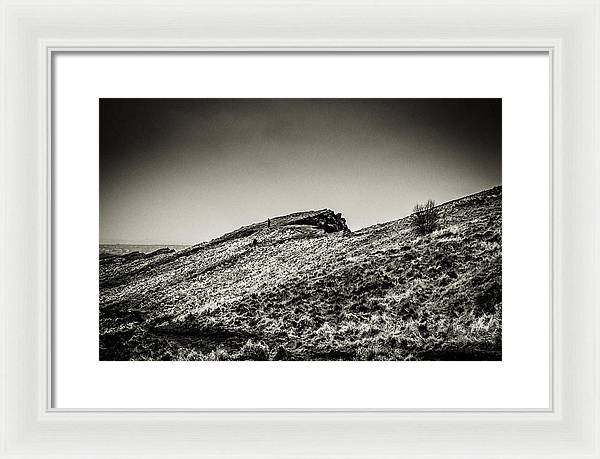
x=190 y=355
x=425 y=218
x=282 y=354
x=325 y=333
x=254 y=351
x=219 y=354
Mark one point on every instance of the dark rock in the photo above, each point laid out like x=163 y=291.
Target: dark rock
x=486 y=301
x=163 y=251
x=133 y=256
x=326 y=220
x=281 y=354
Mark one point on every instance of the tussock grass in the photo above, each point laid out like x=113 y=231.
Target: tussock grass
x=301 y=293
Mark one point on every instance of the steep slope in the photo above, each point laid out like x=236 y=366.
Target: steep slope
x=303 y=287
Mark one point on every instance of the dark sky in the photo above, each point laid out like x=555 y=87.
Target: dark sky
x=188 y=170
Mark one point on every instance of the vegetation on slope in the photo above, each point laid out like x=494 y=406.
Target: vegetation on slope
x=303 y=287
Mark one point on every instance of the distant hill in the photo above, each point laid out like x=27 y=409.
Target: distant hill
x=304 y=287
x=106 y=250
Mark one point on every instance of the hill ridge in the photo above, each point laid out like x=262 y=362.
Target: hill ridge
x=293 y=291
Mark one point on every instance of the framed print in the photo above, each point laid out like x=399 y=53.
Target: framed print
x=313 y=230
x=353 y=283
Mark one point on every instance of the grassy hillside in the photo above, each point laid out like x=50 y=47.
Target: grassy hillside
x=303 y=287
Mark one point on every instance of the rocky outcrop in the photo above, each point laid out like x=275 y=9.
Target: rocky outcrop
x=163 y=251
x=325 y=219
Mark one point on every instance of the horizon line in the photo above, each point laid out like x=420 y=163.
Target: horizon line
x=189 y=244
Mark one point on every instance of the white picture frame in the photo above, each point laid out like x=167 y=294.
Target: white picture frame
x=33 y=31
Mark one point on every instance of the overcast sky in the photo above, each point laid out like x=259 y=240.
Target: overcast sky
x=188 y=170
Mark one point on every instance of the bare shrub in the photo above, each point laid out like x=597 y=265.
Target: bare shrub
x=425 y=218
x=219 y=354
x=189 y=355
x=254 y=351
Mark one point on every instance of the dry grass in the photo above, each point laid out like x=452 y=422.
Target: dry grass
x=300 y=293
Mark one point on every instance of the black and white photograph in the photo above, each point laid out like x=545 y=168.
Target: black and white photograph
x=300 y=229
